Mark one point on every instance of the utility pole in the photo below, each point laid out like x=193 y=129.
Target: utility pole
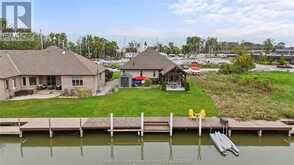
x=41 y=38
x=80 y=47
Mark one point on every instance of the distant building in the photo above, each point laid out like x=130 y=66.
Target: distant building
x=285 y=51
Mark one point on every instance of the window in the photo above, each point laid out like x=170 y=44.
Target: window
x=33 y=81
x=77 y=81
x=14 y=83
x=6 y=84
x=24 y=81
x=141 y=73
x=154 y=74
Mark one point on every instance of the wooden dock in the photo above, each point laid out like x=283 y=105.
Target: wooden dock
x=258 y=125
x=141 y=125
x=9 y=130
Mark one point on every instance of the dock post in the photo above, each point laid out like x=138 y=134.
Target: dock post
x=259 y=132
x=171 y=124
x=111 y=124
x=200 y=125
x=50 y=129
x=290 y=133
x=142 y=124
x=20 y=132
x=81 y=129
x=230 y=132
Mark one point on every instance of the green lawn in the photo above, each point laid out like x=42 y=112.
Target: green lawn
x=264 y=95
x=115 y=75
x=126 y=102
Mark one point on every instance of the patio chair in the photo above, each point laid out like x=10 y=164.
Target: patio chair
x=191 y=114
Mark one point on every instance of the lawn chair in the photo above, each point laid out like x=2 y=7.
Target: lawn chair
x=191 y=114
x=202 y=113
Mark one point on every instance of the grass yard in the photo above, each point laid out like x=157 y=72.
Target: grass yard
x=253 y=95
x=126 y=102
x=115 y=75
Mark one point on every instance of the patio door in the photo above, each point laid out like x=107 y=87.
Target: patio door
x=51 y=82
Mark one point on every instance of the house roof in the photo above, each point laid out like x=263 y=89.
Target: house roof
x=150 y=59
x=50 y=61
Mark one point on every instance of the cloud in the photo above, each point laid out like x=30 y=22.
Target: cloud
x=240 y=18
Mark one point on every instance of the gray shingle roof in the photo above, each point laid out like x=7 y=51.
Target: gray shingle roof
x=150 y=59
x=50 y=61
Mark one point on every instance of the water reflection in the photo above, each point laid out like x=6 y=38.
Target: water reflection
x=184 y=147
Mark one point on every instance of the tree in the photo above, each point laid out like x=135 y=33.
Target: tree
x=193 y=45
x=72 y=46
x=211 y=45
x=169 y=49
x=3 y=24
x=268 y=45
x=95 y=47
x=56 y=39
x=111 y=49
x=133 y=47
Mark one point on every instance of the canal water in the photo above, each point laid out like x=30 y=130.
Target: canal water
x=182 y=148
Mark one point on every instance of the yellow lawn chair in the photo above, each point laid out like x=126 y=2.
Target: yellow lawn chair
x=202 y=113
x=191 y=114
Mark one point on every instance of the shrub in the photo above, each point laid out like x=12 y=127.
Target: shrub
x=66 y=92
x=83 y=92
x=108 y=75
x=147 y=83
x=282 y=60
x=230 y=68
x=73 y=92
x=242 y=63
x=245 y=61
x=264 y=60
x=163 y=86
x=187 y=86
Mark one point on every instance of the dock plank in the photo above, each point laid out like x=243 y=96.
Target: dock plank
x=36 y=124
x=208 y=123
x=258 y=125
x=96 y=123
x=9 y=130
x=67 y=123
x=126 y=122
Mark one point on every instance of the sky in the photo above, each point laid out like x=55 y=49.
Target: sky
x=168 y=20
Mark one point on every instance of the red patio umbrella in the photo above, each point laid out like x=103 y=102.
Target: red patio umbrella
x=140 y=78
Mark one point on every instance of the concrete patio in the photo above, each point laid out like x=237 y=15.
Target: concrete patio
x=42 y=94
